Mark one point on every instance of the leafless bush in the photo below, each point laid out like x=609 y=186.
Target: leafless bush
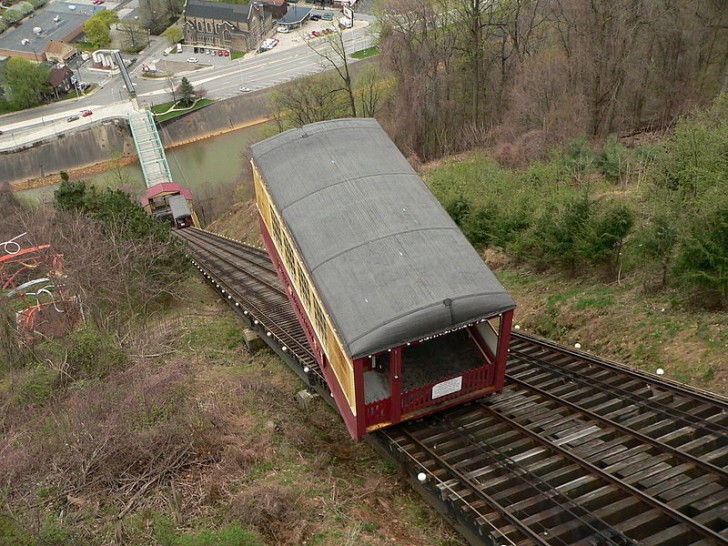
x=275 y=511
x=118 y=279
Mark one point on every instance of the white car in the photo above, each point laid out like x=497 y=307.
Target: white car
x=192 y=59
x=245 y=89
x=283 y=30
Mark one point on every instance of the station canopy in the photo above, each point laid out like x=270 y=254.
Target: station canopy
x=295 y=16
x=388 y=262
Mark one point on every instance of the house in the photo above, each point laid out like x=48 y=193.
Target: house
x=60 y=80
x=60 y=52
x=240 y=27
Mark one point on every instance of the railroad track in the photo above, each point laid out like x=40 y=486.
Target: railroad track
x=576 y=450
x=245 y=276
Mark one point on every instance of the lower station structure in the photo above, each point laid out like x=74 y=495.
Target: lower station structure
x=171 y=203
x=403 y=315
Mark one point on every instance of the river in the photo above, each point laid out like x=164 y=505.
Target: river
x=216 y=162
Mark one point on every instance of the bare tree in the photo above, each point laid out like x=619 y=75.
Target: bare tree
x=308 y=100
x=370 y=87
x=172 y=86
x=418 y=48
x=333 y=51
x=134 y=35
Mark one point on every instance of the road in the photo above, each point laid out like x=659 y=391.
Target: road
x=220 y=76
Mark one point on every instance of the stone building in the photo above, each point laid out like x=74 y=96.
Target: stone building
x=240 y=27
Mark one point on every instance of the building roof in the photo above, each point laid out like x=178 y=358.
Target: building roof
x=165 y=188
x=59 y=75
x=388 y=262
x=219 y=11
x=59 y=48
x=295 y=15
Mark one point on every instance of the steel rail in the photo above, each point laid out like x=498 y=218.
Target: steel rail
x=607 y=532
x=259 y=313
x=596 y=471
x=659 y=408
x=489 y=500
x=684 y=390
x=686 y=457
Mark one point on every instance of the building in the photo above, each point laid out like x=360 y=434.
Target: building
x=240 y=27
x=60 y=80
x=60 y=52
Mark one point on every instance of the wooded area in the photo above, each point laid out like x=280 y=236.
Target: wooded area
x=604 y=123
x=473 y=72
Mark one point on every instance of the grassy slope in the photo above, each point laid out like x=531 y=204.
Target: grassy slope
x=196 y=436
x=194 y=442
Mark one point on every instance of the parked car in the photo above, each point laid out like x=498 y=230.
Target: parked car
x=315 y=17
x=219 y=52
x=283 y=30
x=226 y=53
x=86 y=113
x=72 y=118
x=327 y=16
x=315 y=33
x=245 y=89
x=191 y=59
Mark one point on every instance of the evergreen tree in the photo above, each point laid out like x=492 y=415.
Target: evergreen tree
x=186 y=92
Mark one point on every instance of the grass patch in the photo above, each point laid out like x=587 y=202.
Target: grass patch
x=364 y=53
x=600 y=299
x=170 y=110
x=236 y=55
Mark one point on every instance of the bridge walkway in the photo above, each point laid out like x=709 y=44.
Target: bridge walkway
x=149 y=148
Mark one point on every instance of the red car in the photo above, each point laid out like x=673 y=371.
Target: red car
x=316 y=33
x=226 y=53
x=86 y=113
x=219 y=52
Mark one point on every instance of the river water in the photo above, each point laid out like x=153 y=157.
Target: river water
x=203 y=166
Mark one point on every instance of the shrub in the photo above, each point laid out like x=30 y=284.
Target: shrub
x=126 y=260
x=84 y=354
x=607 y=233
x=458 y=208
x=93 y=354
x=26 y=8
x=612 y=161
x=11 y=534
x=578 y=157
x=36 y=385
x=697 y=154
x=13 y=15
x=541 y=174
x=702 y=258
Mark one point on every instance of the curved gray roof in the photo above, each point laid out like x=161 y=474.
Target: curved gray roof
x=388 y=262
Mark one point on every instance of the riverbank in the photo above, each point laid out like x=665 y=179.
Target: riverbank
x=85 y=171
x=110 y=143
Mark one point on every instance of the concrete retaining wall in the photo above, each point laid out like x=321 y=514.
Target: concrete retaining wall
x=109 y=141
